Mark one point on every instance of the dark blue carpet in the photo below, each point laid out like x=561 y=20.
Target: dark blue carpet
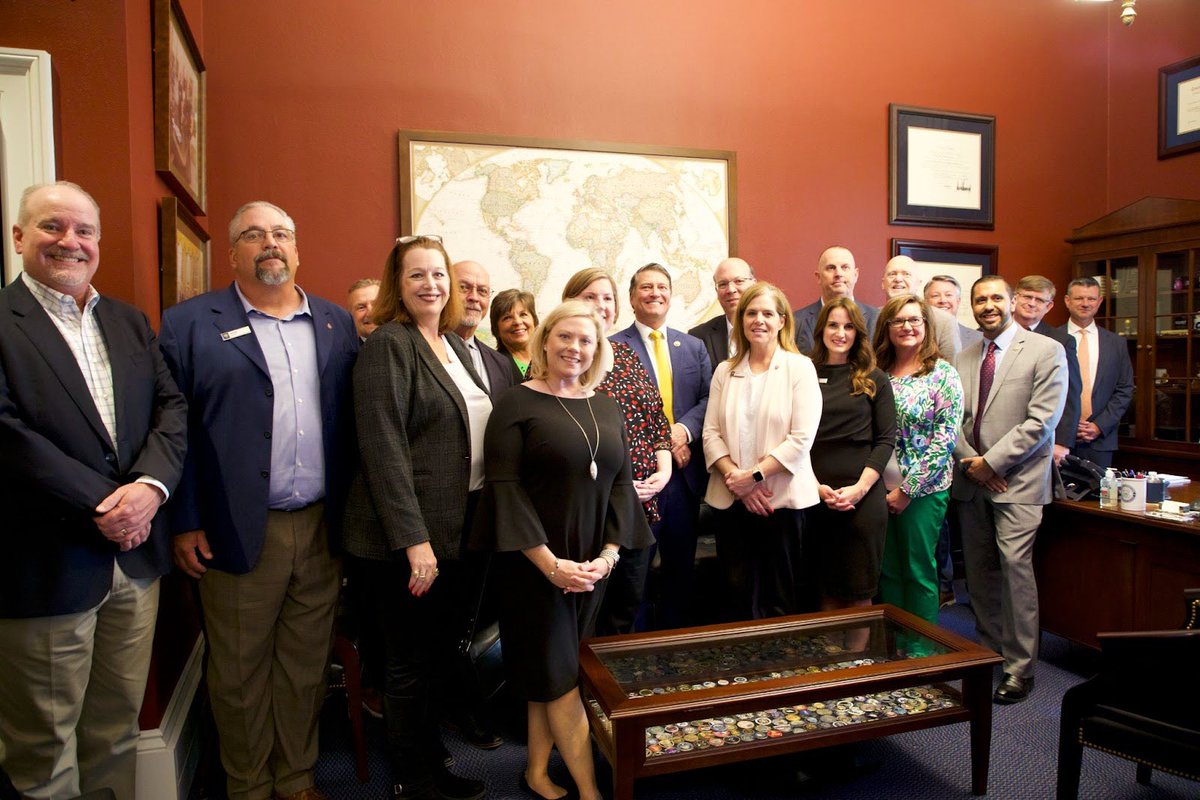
x=927 y=764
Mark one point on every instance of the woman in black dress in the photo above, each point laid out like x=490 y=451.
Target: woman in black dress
x=557 y=505
x=845 y=532
x=648 y=435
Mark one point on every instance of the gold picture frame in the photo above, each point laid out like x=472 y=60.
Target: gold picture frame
x=179 y=106
x=184 y=256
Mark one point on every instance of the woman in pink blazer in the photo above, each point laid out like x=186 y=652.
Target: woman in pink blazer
x=763 y=410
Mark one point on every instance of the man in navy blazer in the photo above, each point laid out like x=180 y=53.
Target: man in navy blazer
x=687 y=389
x=1104 y=367
x=498 y=372
x=267 y=372
x=1035 y=298
x=837 y=275
x=92 y=436
x=732 y=277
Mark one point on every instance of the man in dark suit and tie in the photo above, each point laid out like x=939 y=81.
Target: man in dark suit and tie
x=1035 y=298
x=680 y=366
x=92 y=437
x=732 y=277
x=1014 y=390
x=1105 y=370
x=837 y=275
x=267 y=371
x=497 y=371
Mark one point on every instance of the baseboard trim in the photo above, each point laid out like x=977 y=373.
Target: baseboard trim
x=168 y=755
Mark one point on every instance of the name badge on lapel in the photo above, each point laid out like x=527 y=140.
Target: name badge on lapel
x=235 y=333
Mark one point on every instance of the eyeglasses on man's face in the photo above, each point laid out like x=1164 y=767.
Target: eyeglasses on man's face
x=471 y=288
x=258 y=235
x=737 y=283
x=1026 y=297
x=909 y=322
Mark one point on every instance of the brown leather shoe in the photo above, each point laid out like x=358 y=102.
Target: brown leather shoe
x=311 y=793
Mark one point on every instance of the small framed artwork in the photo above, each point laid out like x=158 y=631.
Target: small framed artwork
x=184 y=254
x=179 y=87
x=966 y=263
x=1179 y=108
x=942 y=168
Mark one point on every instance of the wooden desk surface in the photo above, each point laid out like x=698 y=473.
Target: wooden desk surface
x=1184 y=494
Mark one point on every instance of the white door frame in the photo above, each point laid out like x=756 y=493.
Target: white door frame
x=26 y=135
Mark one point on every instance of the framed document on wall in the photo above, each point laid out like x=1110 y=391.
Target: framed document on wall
x=1179 y=108
x=179 y=88
x=942 y=167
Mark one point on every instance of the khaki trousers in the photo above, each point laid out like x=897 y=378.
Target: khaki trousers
x=269 y=633
x=71 y=687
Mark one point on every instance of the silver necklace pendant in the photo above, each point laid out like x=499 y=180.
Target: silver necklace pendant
x=592 y=469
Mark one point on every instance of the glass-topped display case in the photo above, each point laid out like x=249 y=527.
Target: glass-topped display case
x=1146 y=257
x=673 y=700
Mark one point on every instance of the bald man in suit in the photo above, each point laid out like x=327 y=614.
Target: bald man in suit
x=1014 y=389
x=732 y=277
x=837 y=275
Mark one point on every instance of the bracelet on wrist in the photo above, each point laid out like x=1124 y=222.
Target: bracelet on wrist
x=550 y=575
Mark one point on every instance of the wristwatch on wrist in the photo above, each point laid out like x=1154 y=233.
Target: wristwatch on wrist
x=758 y=476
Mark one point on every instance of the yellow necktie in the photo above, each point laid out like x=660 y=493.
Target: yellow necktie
x=662 y=372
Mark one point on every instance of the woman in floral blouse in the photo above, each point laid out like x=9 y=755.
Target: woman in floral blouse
x=929 y=408
x=649 y=436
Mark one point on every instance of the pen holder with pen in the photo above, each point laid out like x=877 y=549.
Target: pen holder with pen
x=1133 y=494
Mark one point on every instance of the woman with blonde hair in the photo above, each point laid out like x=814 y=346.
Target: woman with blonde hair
x=649 y=437
x=558 y=504
x=764 y=407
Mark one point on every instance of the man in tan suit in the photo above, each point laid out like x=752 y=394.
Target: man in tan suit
x=1014 y=387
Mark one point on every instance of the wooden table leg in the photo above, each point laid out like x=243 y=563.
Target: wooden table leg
x=629 y=745
x=977 y=694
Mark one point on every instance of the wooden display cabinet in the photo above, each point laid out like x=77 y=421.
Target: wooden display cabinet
x=1146 y=257
x=681 y=699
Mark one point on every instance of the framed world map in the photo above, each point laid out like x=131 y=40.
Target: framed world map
x=535 y=211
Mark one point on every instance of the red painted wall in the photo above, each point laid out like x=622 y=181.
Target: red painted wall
x=310 y=113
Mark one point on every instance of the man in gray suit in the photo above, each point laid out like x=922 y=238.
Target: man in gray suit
x=1105 y=370
x=732 y=277
x=837 y=274
x=899 y=277
x=1014 y=388
x=498 y=372
x=945 y=292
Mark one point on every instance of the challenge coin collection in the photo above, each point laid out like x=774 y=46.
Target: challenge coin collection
x=777 y=723
x=726 y=663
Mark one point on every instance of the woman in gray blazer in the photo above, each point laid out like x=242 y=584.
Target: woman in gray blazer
x=421 y=412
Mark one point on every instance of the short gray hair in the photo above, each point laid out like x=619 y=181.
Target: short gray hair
x=23 y=206
x=237 y=217
x=946 y=279
x=1085 y=282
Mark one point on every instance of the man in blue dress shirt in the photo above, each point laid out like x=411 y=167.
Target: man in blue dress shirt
x=266 y=369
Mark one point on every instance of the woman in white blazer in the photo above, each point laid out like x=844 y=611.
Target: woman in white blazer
x=764 y=407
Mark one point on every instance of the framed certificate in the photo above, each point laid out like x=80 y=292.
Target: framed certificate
x=966 y=263
x=1179 y=108
x=942 y=168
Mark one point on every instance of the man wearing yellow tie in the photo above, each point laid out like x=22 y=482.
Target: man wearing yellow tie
x=679 y=364
x=1105 y=370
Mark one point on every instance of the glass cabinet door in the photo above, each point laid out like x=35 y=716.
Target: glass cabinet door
x=1176 y=330
x=1119 y=294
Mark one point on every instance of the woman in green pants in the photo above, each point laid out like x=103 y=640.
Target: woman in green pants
x=929 y=408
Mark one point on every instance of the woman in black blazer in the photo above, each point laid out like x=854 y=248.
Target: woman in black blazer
x=421 y=411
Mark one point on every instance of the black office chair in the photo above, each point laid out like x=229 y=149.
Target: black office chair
x=1143 y=705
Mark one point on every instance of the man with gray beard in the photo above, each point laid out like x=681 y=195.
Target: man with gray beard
x=267 y=370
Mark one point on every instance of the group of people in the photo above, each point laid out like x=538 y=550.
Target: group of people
x=535 y=481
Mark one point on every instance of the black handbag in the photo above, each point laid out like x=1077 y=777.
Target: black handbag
x=480 y=645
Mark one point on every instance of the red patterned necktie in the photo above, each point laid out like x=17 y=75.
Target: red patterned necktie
x=987 y=371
